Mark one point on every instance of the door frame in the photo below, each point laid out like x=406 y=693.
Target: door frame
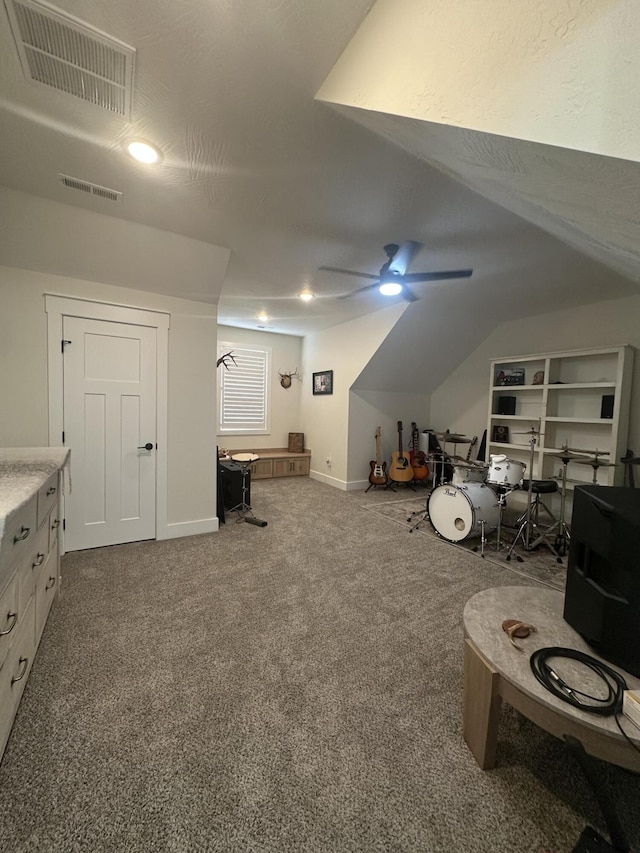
x=56 y=308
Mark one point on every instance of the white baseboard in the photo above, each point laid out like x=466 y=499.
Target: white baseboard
x=329 y=481
x=177 y=529
x=343 y=485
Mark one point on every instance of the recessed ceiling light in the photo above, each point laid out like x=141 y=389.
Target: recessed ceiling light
x=390 y=288
x=263 y=318
x=306 y=296
x=144 y=151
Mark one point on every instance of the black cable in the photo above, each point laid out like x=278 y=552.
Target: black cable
x=611 y=705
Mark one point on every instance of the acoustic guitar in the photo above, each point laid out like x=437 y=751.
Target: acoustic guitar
x=378 y=473
x=417 y=457
x=400 y=470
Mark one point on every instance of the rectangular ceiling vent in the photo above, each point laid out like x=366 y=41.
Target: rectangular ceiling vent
x=60 y=51
x=90 y=189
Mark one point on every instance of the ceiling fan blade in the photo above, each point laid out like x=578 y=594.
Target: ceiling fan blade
x=375 y=284
x=436 y=276
x=408 y=294
x=351 y=272
x=403 y=257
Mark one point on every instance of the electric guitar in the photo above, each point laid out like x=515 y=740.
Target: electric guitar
x=378 y=474
x=417 y=457
x=400 y=470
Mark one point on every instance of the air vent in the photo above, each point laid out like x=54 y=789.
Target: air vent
x=62 y=52
x=90 y=189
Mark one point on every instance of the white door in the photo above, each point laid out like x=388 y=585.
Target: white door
x=109 y=416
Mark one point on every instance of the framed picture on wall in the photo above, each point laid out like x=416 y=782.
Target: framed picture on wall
x=323 y=382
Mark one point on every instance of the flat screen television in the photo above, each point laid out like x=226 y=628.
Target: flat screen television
x=602 y=596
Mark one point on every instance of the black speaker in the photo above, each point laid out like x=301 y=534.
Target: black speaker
x=506 y=405
x=606 y=410
x=231 y=478
x=602 y=595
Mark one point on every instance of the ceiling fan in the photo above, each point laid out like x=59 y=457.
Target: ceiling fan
x=393 y=279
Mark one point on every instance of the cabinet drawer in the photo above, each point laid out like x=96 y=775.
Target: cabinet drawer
x=18 y=537
x=262 y=469
x=46 y=589
x=28 y=570
x=47 y=497
x=8 y=617
x=14 y=673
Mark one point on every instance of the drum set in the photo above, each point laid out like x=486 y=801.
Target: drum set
x=471 y=496
x=468 y=498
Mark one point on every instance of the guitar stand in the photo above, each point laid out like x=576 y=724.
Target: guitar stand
x=408 y=484
x=377 y=486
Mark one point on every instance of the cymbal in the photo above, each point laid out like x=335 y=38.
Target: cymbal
x=453 y=438
x=597 y=463
x=569 y=454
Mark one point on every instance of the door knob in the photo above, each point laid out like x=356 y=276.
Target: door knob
x=147 y=446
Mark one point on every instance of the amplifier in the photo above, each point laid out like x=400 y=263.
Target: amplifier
x=231 y=479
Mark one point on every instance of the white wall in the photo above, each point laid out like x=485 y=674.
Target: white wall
x=553 y=72
x=46 y=236
x=371 y=409
x=286 y=357
x=345 y=349
x=191 y=402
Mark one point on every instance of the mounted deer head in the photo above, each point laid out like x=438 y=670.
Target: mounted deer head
x=285 y=378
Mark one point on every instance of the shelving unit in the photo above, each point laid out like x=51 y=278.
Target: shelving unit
x=562 y=396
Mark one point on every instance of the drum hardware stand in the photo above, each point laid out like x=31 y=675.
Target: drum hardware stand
x=502 y=502
x=483 y=539
x=424 y=515
x=563 y=536
x=245 y=513
x=525 y=530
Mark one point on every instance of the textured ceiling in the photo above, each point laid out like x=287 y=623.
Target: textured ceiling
x=252 y=163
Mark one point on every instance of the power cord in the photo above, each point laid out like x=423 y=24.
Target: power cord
x=611 y=705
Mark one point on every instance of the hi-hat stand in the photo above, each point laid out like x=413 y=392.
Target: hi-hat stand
x=563 y=535
x=528 y=531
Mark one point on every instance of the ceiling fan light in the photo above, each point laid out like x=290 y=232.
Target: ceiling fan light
x=306 y=296
x=390 y=288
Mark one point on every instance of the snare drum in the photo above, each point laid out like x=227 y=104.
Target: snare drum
x=505 y=472
x=457 y=512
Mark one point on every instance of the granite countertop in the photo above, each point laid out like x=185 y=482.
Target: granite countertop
x=22 y=471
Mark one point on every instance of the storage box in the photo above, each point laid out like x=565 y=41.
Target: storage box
x=296 y=442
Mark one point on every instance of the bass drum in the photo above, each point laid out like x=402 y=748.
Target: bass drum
x=456 y=512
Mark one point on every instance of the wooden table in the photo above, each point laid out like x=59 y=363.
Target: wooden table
x=495 y=671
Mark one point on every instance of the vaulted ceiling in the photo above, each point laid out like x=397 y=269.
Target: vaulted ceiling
x=281 y=145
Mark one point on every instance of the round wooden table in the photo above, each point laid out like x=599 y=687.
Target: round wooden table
x=495 y=671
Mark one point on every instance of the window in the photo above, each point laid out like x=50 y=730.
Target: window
x=243 y=402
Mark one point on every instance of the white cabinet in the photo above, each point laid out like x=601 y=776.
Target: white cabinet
x=29 y=578
x=579 y=399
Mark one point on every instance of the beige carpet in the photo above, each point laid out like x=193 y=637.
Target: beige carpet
x=295 y=688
